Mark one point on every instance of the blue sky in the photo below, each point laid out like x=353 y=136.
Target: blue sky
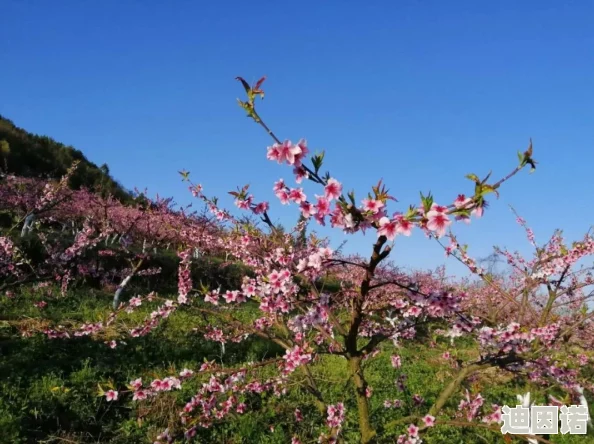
x=416 y=93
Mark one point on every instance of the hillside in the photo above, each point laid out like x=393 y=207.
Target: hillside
x=32 y=155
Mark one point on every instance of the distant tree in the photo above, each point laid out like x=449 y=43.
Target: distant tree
x=4 y=152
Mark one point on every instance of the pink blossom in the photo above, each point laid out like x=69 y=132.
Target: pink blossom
x=279 y=185
x=283 y=196
x=404 y=226
x=335 y=415
x=261 y=208
x=111 y=395
x=186 y=373
x=413 y=311
x=302 y=145
x=462 y=201
x=285 y=152
x=387 y=228
x=139 y=395
x=372 y=205
x=322 y=206
x=212 y=297
x=333 y=189
x=429 y=420
x=413 y=430
x=297 y=195
x=300 y=174
x=478 y=211
x=136 y=384
x=438 y=221
x=288 y=152
x=307 y=209
x=396 y=361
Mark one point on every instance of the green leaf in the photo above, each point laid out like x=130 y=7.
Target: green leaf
x=245 y=84
x=473 y=177
x=487 y=178
x=351 y=196
x=184 y=174
x=427 y=201
x=317 y=161
x=486 y=189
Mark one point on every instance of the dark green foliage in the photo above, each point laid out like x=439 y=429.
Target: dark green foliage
x=30 y=155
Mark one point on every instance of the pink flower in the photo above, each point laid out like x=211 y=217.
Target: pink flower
x=413 y=311
x=212 y=297
x=139 y=395
x=372 y=205
x=230 y=296
x=387 y=228
x=333 y=189
x=136 y=384
x=446 y=355
x=261 y=208
x=429 y=420
x=111 y=395
x=298 y=415
x=302 y=145
x=279 y=185
x=186 y=373
x=413 y=430
x=462 y=201
x=283 y=196
x=300 y=174
x=335 y=415
x=322 y=206
x=437 y=221
x=396 y=361
x=404 y=226
x=307 y=209
x=478 y=211
x=289 y=152
x=285 y=152
x=297 y=195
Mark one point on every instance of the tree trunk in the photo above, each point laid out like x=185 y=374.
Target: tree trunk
x=27 y=226
x=367 y=432
x=116 y=296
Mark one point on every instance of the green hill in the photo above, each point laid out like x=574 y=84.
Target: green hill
x=31 y=155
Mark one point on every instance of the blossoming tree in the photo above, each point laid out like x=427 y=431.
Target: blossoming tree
x=536 y=323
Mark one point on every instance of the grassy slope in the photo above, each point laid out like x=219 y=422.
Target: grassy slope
x=49 y=388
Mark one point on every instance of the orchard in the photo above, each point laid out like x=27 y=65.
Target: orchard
x=277 y=328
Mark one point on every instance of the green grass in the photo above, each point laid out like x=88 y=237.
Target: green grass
x=49 y=388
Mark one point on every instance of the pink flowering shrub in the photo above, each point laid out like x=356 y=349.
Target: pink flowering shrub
x=535 y=323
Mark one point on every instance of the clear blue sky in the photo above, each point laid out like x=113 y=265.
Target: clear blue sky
x=419 y=93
